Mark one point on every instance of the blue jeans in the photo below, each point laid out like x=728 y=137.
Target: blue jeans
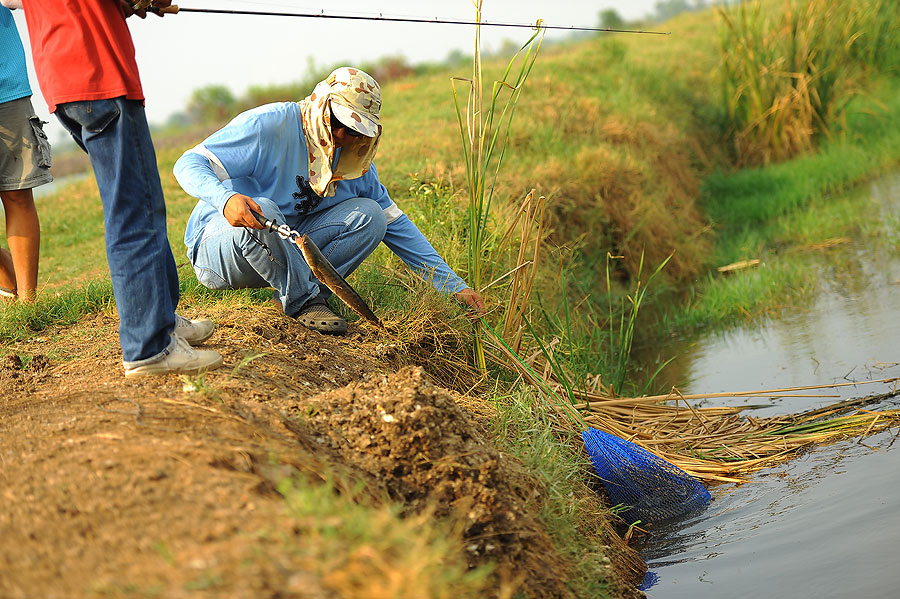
x=229 y=257
x=116 y=136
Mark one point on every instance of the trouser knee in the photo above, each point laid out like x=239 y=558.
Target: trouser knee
x=372 y=220
x=269 y=209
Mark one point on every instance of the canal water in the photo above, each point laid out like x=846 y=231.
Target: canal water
x=827 y=523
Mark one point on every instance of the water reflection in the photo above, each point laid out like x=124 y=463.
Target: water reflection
x=823 y=525
x=827 y=523
x=849 y=332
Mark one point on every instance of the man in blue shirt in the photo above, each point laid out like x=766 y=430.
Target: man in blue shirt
x=307 y=164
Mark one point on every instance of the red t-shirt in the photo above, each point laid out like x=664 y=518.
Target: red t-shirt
x=82 y=50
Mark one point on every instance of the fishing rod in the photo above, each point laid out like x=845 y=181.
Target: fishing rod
x=174 y=9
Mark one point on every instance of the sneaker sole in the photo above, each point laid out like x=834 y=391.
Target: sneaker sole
x=150 y=371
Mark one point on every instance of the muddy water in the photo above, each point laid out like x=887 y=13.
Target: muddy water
x=826 y=524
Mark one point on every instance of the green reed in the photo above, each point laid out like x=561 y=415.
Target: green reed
x=485 y=135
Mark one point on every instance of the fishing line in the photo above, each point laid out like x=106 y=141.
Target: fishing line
x=323 y=15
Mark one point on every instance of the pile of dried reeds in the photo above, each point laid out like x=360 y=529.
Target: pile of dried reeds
x=719 y=444
x=710 y=443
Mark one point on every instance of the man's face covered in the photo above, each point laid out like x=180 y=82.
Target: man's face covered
x=353 y=98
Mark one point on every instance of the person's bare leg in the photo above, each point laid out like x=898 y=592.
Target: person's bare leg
x=7 y=275
x=23 y=234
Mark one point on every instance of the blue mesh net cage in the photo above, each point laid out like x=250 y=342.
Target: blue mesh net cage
x=652 y=488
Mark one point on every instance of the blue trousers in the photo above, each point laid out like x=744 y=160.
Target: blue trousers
x=116 y=136
x=236 y=257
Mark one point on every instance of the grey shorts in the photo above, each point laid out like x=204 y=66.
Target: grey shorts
x=24 y=147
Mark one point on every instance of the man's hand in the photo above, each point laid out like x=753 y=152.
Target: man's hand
x=237 y=211
x=472 y=299
x=128 y=8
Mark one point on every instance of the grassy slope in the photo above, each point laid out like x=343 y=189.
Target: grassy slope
x=621 y=173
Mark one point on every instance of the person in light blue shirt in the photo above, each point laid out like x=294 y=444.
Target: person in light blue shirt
x=306 y=164
x=24 y=165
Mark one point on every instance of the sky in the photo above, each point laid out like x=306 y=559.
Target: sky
x=179 y=53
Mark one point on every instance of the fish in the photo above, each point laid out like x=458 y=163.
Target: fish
x=321 y=268
x=326 y=273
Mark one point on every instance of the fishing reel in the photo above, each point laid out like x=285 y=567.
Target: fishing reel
x=282 y=230
x=148 y=5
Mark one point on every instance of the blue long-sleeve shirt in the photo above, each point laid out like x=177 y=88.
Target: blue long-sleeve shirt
x=261 y=153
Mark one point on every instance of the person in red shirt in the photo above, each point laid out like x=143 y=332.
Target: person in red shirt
x=84 y=58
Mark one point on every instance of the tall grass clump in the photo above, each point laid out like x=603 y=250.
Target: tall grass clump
x=589 y=352
x=788 y=75
x=621 y=320
x=484 y=130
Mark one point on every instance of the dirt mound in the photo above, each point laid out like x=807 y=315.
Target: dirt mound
x=427 y=452
x=166 y=486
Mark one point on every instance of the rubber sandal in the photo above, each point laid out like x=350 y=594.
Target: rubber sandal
x=316 y=315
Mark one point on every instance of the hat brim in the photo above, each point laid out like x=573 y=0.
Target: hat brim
x=354 y=120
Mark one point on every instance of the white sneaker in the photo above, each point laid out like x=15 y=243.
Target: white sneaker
x=194 y=332
x=180 y=358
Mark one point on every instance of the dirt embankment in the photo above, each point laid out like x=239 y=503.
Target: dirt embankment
x=167 y=486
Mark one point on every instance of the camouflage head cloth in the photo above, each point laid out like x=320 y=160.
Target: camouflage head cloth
x=357 y=95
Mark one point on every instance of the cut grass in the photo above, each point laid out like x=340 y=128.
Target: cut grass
x=357 y=548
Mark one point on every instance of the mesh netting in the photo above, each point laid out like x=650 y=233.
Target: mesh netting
x=654 y=489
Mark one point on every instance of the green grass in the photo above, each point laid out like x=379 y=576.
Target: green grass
x=786 y=275
x=19 y=321
x=350 y=542
x=751 y=197
x=571 y=514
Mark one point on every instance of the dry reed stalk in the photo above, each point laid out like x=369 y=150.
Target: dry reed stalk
x=531 y=211
x=760 y=392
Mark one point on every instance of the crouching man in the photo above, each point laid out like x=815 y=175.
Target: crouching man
x=306 y=164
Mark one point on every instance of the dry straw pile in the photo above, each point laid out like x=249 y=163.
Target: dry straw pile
x=720 y=444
